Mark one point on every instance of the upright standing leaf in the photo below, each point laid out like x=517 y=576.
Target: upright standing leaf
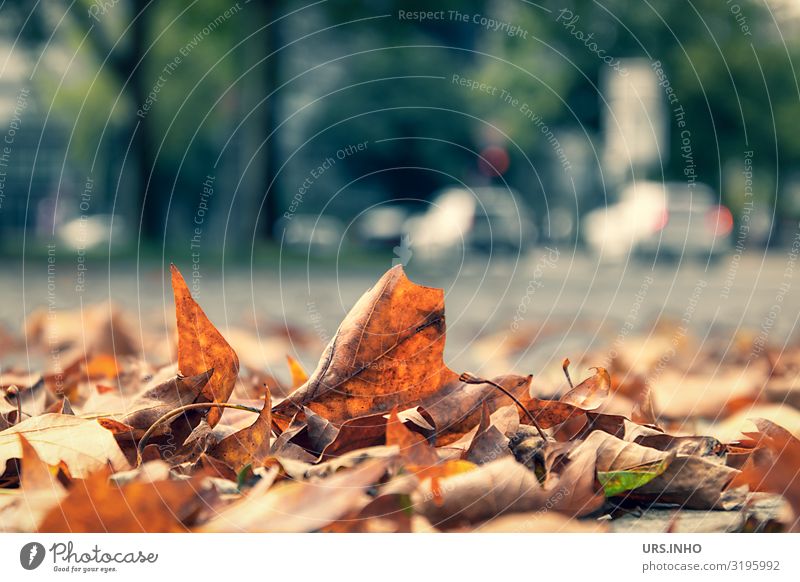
x=387 y=352
x=201 y=347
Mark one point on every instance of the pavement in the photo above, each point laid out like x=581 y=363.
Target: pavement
x=508 y=297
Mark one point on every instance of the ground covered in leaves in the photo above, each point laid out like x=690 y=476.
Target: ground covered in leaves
x=382 y=436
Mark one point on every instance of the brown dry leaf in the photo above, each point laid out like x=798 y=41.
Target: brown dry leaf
x=731 y=428
x=249 y=445
x=500 y=487
x=419 y=457
x=456 y=408
x=539 y=522
x=300 y=506
x=201 y=347
x=384 y=514
x=387 y=352
x=80 y=333
x=590 y=394
x=40 y=491
x=614 y=454
x=320 y=431
x=299 y=376
x=80 y=443
x=98 y=505
x=774 y=466
x=357 y=433
x=643 y=410
x=691 y=482
x=585 y=397
x=489 y=442
x=154 y=403
x=550 y=413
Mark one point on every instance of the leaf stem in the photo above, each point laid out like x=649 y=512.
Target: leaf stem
x=470 y=379
x=177 y=412
x=565 y=366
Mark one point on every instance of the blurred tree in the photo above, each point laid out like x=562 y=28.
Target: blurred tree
x=316 y=77
x=731 y=67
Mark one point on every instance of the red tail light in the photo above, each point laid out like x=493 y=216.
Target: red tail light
x=719 y=220
x=661 y=220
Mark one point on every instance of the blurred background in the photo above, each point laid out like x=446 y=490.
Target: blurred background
x=579 y=165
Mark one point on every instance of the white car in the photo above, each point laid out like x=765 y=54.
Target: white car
x=485 y=220
x=666 y=220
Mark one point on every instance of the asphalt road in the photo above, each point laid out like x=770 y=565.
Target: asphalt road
x=502 y=296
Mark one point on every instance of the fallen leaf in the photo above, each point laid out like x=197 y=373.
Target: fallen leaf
x=250 y=445
x=419 y=457
x=774 y=466
x=98 y=505
x=299 y=506
x=102 y=366
x=357 y=433
x=387 y=352
x=589 y=394
x=691 y=482
x=154 y=403
x=82 y=444
x=643 y=410
x=299 y=376
x=489 y=443
x=39 y=491
x=201 y=347
x=622 y=466
x=505 y=486
x=539 y=522
x=456 y=408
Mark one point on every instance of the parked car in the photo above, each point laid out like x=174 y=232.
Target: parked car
x=310 y=233
x=485 y=220
x=381 y=226
x=664 y=220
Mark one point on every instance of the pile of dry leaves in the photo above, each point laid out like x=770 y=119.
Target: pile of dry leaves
x=382 y=436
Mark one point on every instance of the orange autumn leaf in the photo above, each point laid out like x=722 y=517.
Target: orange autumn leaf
x=550 y=413
x=299 y=376
x=420 y=457
x=585 y=397
x=201 y=347
x=99 y=505
x=387 y=352
x=249 y=445
x=774 y=465
x=102 y=366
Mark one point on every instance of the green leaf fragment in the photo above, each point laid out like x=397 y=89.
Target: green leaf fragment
x=616 y=482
